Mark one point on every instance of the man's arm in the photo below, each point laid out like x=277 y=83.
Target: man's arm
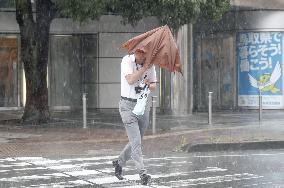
x=151 y=80
x=134 y=77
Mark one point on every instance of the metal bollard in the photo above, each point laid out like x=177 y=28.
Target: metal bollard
x=84 y=111
x=153 y=115
x=260 y=106
x=210 y=108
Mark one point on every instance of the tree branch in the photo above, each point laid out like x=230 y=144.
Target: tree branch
x=24 y=12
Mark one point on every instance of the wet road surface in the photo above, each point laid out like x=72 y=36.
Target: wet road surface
x=174 y=169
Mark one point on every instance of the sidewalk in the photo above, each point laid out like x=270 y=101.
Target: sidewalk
x=229 y=131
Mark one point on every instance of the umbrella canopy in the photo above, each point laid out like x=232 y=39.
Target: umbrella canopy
x=159 y=47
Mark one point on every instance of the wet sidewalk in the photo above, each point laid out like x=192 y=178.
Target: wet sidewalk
x=229 y=131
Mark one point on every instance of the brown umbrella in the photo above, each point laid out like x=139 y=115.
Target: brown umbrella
x=159 y=47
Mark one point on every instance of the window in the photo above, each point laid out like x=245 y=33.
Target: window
x=8 y=71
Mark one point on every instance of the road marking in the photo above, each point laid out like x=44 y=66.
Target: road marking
x=74 y=172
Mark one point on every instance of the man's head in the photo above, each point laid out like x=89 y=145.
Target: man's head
x=139 y=56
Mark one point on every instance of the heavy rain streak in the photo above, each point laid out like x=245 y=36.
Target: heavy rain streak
x=153 y=93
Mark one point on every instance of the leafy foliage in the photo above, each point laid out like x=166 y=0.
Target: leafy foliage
x=214 y=9
x=81 y=10
x=174 y=13
x=131 y=11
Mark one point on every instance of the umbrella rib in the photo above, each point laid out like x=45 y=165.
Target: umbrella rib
x=160 y=47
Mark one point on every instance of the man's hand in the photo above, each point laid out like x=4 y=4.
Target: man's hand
x=152 y=85
x=147 y=82
x=132 y=78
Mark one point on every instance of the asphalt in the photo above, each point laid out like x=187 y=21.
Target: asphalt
x=230 y=130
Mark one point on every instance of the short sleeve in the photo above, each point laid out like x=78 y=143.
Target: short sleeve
x=126 y=67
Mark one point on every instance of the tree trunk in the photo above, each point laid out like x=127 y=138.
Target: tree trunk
x=34 y=55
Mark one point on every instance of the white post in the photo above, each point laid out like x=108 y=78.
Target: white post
x=84 y=111
x=260 y=106
x=210 y=108
x=153 y=115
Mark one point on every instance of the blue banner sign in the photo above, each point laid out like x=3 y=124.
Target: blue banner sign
x=259 y=58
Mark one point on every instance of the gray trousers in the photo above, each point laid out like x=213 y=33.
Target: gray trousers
x=135 y=128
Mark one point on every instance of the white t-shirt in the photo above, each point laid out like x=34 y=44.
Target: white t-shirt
x=128 y=66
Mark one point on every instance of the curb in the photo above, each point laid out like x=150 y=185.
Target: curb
x=234 y=146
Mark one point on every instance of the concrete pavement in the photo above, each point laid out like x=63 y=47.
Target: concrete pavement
x=229 y=131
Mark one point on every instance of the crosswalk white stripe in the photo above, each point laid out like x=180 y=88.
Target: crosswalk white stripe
x=83 y=172
x=33 y=177
x=103 y=174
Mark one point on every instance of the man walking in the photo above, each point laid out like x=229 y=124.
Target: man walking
x=133 y=72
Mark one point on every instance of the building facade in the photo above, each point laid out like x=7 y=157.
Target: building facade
x=237 y=59
x=83 y=58
x=240 y=58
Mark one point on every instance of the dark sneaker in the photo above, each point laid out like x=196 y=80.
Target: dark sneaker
x=145 y=179
x=117 y=170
